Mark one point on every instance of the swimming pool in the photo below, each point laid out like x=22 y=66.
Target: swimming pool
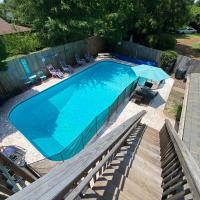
x=54 y=119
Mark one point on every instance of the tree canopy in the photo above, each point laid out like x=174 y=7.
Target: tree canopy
x=59 y=21
x=195 y=16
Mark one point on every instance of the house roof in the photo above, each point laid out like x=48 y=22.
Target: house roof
x=6 y=28
x=190 y=119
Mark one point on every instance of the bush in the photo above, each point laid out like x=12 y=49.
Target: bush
x=21 y=43
x=3 y=55
x=166 y=42
x=178 y=112
x=162 y=41
x=167 y=60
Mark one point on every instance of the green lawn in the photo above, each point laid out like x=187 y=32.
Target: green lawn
x=188 y=45
x=196 y=47
x=187 y=36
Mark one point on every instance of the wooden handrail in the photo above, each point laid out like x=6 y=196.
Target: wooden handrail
x=77 y=191
x=188 y=164
x=57 y=183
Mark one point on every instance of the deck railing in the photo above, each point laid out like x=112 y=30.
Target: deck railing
x=79 y=143
x=180 y=173
x=63 y=179
x=13 y=178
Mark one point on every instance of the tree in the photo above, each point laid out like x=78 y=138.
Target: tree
x=195 y=17
x=60 y=21
x=197 y=3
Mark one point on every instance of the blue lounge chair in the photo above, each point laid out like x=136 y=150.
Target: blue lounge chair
x=26 y=81
x=41 y=75
x=31 y=77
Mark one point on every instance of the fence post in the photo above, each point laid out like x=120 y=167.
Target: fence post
x=96 y=121
x=82 y=139
x=117 y=102
x=61 y=157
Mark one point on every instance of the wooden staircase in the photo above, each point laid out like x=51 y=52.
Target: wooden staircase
x=135 y=172
x=131 y=162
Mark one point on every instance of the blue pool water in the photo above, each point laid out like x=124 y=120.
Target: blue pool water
x=54 y=118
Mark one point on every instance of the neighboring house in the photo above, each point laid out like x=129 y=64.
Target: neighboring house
x=6 y=28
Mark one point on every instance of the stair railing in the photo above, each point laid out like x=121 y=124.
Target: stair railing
x=71 y=177
x=180 y=172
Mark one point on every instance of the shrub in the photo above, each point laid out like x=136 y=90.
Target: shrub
x=166 y=42
x=167 y=60
x=178 y=112
x=21 y=43
x=3 y=55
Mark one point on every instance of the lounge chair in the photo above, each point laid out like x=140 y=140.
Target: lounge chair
x=41 y=75
x=30 y=76
x=88 y=57
x=65 y=67
x=14 y=153
x=55 y=72
x=27 y=82
x=80 y=61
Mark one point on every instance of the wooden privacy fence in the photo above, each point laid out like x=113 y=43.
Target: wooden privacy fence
x=131 y=49
x=138 y=51
x=11 y=80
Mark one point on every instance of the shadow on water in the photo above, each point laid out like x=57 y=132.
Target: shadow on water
x=93 y=76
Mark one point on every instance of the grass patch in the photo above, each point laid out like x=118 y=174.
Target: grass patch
x=174 y=105
x=187 y=36
x=196 y=47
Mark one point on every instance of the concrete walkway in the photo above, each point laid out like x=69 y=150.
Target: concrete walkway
x=154 y=117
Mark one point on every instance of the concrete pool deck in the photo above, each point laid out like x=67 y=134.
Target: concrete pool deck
x=154 y=118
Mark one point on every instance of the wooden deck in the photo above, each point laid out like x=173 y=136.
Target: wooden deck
x=44 y=166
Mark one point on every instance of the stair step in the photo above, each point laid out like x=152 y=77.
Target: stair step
x=124 y=183
x=91 y=195
x=146 y=174
x=151 y=141
x=150 y=147
x=151 y=136
x=149 y=156
x=145 y=163
x=129 y=149
x=137 y=165
x=108 y=191
x=134 y=173
x=131 y=191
